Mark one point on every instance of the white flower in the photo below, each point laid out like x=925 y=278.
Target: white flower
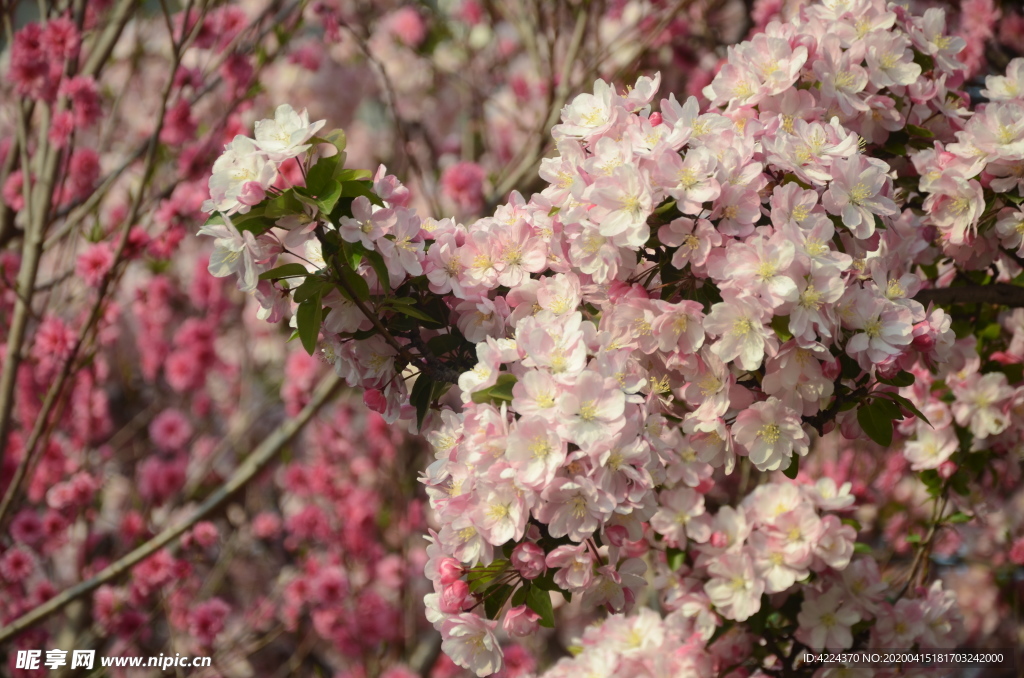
x=286 y=135
x=240 y=177
x=470 y=642
x=234 y=252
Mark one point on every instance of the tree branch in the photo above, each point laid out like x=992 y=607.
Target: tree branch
x=249 y=469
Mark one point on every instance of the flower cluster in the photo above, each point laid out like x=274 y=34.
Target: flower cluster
x=692 y=290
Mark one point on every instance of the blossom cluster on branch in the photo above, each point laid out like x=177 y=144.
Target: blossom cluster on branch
x=691 y=289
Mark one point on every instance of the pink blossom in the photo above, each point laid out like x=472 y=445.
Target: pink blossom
x=95 y=263
x=462 y=183
x=206 y=620
x=170 y=430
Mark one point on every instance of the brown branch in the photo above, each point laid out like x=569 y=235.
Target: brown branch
x=1000 y=294
x=249 y=469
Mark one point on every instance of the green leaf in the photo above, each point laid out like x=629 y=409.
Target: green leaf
x=496 y=599
x=959 y=517
x=480 y=576
x=352 y=252
x=320 y=175
x=284 y=271
x=380 y=268
x=308 y=318
x=908 y=405
x=539 y=601
x=444 y=343
x=914 y=539
x=355 y=283
x=412 y=312
x=860 y=547
x=311 y=286
x=676 y=558
x=889 y=409
x=793 y=469
x=283 y=205
x=876 y=425
x=354 y=189
x=519 y=597
x=502 y=390
x=780 y=324
x=902 y=379
x=920 y=132
x=420 y=397
x=353 y=175
x=327 y=198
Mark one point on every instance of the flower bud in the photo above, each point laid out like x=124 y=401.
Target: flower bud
x=616 y=535
x=453 y=597
x=450 y=570
x=655 y=119
x=252 y=193
x=375 y=400
x=520 y=621
x=946 y=469
x=528 y=560
x=830 y=369
x=719 y=540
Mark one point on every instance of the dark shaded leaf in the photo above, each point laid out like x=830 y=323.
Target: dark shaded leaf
x=284 y=271
x=875 y=423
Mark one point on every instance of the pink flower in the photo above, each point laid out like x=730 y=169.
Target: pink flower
x=575 y=566
x=407 y=25
x=95 y=263
x=470 y=642
x=463 y=184
x=857 y=193
x=739 y=322
x=170 y=430
x=520 y=621
x=825 y=622
x=733 y=588
x=206 y=620
x=771 y=434
x=60 y=37
x=17 y=564
x=528 y=560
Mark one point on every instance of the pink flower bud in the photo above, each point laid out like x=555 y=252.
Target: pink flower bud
x=450 y=570
x=1017 y=552
x=719 y=540
x=616 y=535
x=923 y=343
x=888 y=370
x=375 y=400
x=252 y=193
x=635 y=549
x=520 y=621
x=453 y=597
x=946 y=469
x=655 y=119
x=705 y=485
x=528 y=559
x=831 y=369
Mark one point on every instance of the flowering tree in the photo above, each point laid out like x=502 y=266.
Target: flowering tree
x=142 y=399
x=609 y=371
